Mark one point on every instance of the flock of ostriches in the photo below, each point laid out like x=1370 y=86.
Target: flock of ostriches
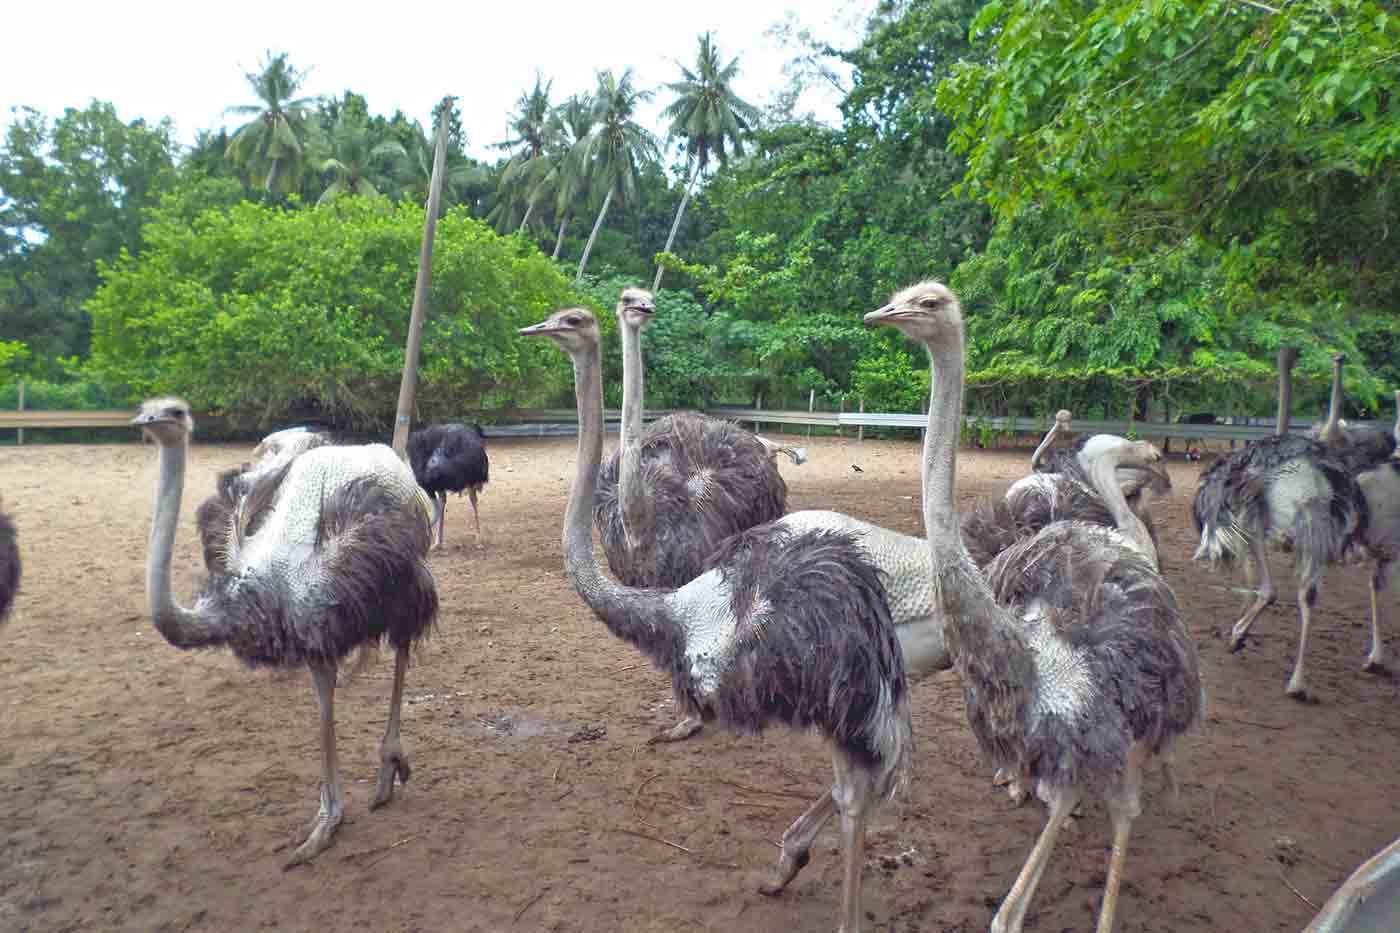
x=1077 y=668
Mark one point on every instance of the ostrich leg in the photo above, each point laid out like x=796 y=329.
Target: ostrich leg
x=322 y=831
x=1259 y=557
x=1375 y=662
x=690 y=724
x=1012 y=915
x=854 y=795
x=1307 y=598
x=476 y=517
x=392 y=762
x=797 y=843
x=439 y=507
x=1123 y=808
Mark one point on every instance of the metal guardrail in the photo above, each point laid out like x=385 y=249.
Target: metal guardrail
x=545 y=422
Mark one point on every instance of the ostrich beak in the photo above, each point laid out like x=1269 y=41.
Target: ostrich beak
x=886 y=315
x=144 y=418
x=543 y=328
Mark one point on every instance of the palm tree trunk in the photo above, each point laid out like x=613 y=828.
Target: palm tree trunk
x=529 y=209
x=675 y=225
x=559 y=240
x=272 y=175
x=597 y=225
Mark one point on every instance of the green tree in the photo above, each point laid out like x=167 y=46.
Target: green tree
x=519 y=181
x=615 y=148
x=72 y=192
x=356 y=160
x=273 y=141
x=709 y=118
x=567 y=176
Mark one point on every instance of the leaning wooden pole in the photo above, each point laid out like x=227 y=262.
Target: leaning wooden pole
x=408 y=385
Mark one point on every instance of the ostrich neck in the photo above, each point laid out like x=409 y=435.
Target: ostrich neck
x=1044 y=447
x=1285 y=393
x=988 y=649
x=1331 y=431
x=176 y=624
x=1103 y=473
x=640 y=617
x=631 y=497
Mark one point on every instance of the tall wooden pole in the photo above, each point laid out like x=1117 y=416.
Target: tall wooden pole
x=408 y=385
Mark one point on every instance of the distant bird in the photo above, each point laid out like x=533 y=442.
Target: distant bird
x=450 y=458
x=786 y=627
x=856 y=468
x=678 y=488
x=9 y=565
x=1285 y=489
x=323 y=556
x=1077 y=670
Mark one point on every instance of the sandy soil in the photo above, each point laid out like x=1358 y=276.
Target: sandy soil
x=150 y=789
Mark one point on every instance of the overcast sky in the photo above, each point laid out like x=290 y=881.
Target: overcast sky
x=186 y=60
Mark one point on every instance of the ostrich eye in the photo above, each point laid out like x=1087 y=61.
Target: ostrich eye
x=173 y=413
x=930 y=301
x=573 y=321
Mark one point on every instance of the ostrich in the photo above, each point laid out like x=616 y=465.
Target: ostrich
x=1360 y=447
x=322 y=556
x=450 y=458
x=9 y=565
x=1076 y=667
x=784 y=627
x=673 y=492
x=1284 y=488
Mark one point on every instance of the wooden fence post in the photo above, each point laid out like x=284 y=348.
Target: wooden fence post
x=758 y=406
x=841 y=428
x=860 y=429
x=19 y=432
x=811 y=406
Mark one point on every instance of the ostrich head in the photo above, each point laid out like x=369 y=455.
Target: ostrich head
x=573 y=329
x=1062 y=419
x=167 y=420
x=925 y=312
x=636 y=308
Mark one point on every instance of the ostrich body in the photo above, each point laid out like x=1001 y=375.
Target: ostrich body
x=450 y=458
x=1297 y=491
x=1076 y=667
x=9 y=565
x=675 y=491
x=785 y=627
x=320 y=557
x=1358 y=446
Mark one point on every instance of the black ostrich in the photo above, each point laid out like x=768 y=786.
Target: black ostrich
x=787 y=627
x=9 y=565
x=1076 y=667
x=450 y=458
x=322 y=556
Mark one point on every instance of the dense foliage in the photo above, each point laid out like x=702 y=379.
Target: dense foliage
x=1139 y=203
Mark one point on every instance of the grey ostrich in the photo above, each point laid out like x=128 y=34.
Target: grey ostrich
x=9 y=565
x=320 y=557
x=673 y=492
x=450 y=458
x=1360 y=447
x=785 y=627
x=1076 y=667
x=1299 y=492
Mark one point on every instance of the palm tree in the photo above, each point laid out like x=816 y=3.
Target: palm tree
x=275 y=134
x=566 y=179
x=531 y=125
x=613 y=150
x=708 y=116
x=359 y=163
x=415 y=170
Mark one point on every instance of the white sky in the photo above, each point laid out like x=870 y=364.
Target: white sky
x=186 y=61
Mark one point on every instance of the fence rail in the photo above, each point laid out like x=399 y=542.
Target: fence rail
x=538 y=422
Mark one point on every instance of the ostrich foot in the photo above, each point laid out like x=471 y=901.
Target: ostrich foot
x=322 y=832
x=1016 y=785
x=394 y=765
x=1237 y=638
x=1375 y=664
x=788 y=867
x=681 y=731
x=1297 y=690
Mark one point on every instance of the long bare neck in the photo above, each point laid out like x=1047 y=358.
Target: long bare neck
x=640 y=617
x=1332 y=430
x=1103 y=473
x=176 y=624
x=636 y=512
x=1285 y=389
x=1396 y=431
x=1045 y=443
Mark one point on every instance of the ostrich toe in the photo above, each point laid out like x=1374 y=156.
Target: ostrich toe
x=395 y=765
x=788 y=867
x=681 y=731
x=322 y=833
x=1375 y=664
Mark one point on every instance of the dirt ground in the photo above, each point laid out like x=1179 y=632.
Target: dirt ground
x=151 y=789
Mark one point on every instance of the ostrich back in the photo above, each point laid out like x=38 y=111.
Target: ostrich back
x=1286 y=488
x=1110 y=662
x=320 y=556
x=1362 y=447
x=795 y=628
x=9 y=565
x=449 y=457
x=705 y=480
